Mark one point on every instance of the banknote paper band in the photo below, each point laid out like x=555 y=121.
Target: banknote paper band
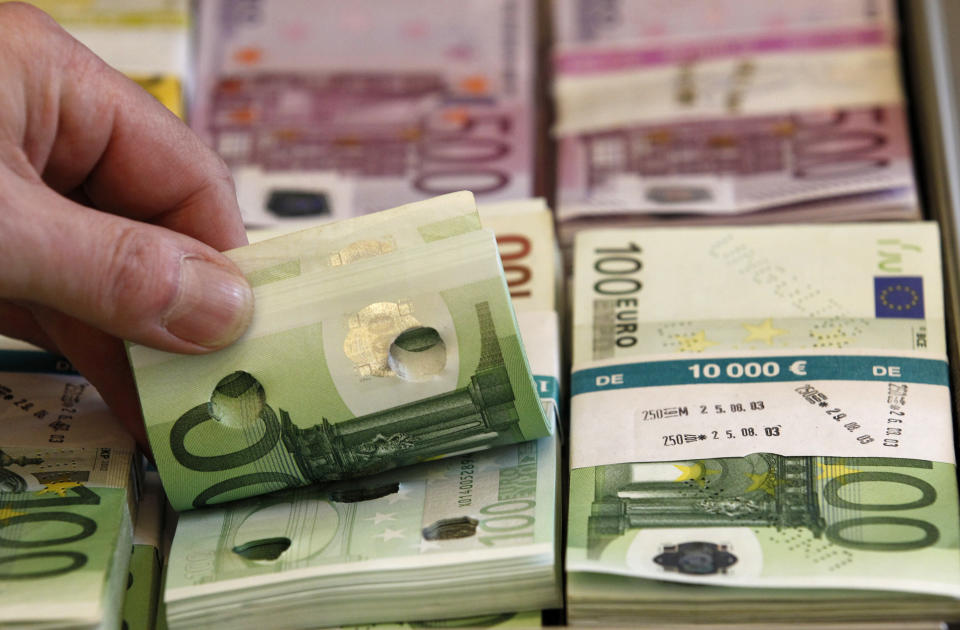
x=589 y=60
x=624 y=97
x=843 y=405
x=67 y=493
x=760 y=369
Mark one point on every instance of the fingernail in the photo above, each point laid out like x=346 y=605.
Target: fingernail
x=213 y=307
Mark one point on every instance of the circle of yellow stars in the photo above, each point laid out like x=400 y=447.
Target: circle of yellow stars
x=899 y=288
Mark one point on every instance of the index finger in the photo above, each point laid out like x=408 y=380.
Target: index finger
x=128 y=153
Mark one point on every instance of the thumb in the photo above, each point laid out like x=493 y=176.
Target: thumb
x=134 y=280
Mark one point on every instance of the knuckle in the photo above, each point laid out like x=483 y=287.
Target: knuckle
x=218 y=167
x=217 y=185
x=34 y=40
x=27 y=16
x=222 y=174
x=24 y=25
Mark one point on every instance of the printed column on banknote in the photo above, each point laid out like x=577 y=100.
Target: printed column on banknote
x=528 y=250
x=317 y=124
x=763 y=407
x=67 y=487
x=364 y=354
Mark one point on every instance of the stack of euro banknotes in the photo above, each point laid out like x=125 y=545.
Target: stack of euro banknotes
x=69 y=492
x=325 y=110
x=429 y=368
x=385 y=363
x=738 y=111
x=759 y=418
x=761 y=427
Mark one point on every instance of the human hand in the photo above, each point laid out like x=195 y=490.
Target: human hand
x=111 y=215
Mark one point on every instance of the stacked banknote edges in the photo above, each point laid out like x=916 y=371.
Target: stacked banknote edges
x=68 y=485
x=774 y=444
x=318 y=124
x=377 y=343
x=750 y=112
x=463 y=536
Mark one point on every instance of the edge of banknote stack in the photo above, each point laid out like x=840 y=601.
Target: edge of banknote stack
x=690 y=119
x=69 y=488
x=376 y=342
x=473 y=534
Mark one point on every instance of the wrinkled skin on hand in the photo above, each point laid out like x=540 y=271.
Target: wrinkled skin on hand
x=103 y=196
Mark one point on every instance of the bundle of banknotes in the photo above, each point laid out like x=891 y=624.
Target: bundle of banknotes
x=474 y=534
x=377 y=342
x=760 y=419
x=68 y=486
x=742 y=111
x=326 y=110
x=761 y=427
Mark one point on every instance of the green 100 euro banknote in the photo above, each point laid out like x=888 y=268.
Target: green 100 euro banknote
x=376 y=343
x=763 y=408
x=67 y=492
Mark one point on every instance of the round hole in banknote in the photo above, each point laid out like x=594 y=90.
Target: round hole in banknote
x=417 y=354
x=263 y=535
x=237 y=400
x=263 y=549
x=14 y=478
x=671 y=195
x=696 y=558
x=710 y=550
x=482 y=621
x=451 y=528
x=353 y=493
x=11 y=482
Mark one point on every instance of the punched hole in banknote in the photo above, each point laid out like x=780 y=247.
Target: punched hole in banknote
x=237 y=400
x=417 y=354
x=451 y=528
x=263 y=549
x=696 y=558
x=355 y=494
x=483 y=621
